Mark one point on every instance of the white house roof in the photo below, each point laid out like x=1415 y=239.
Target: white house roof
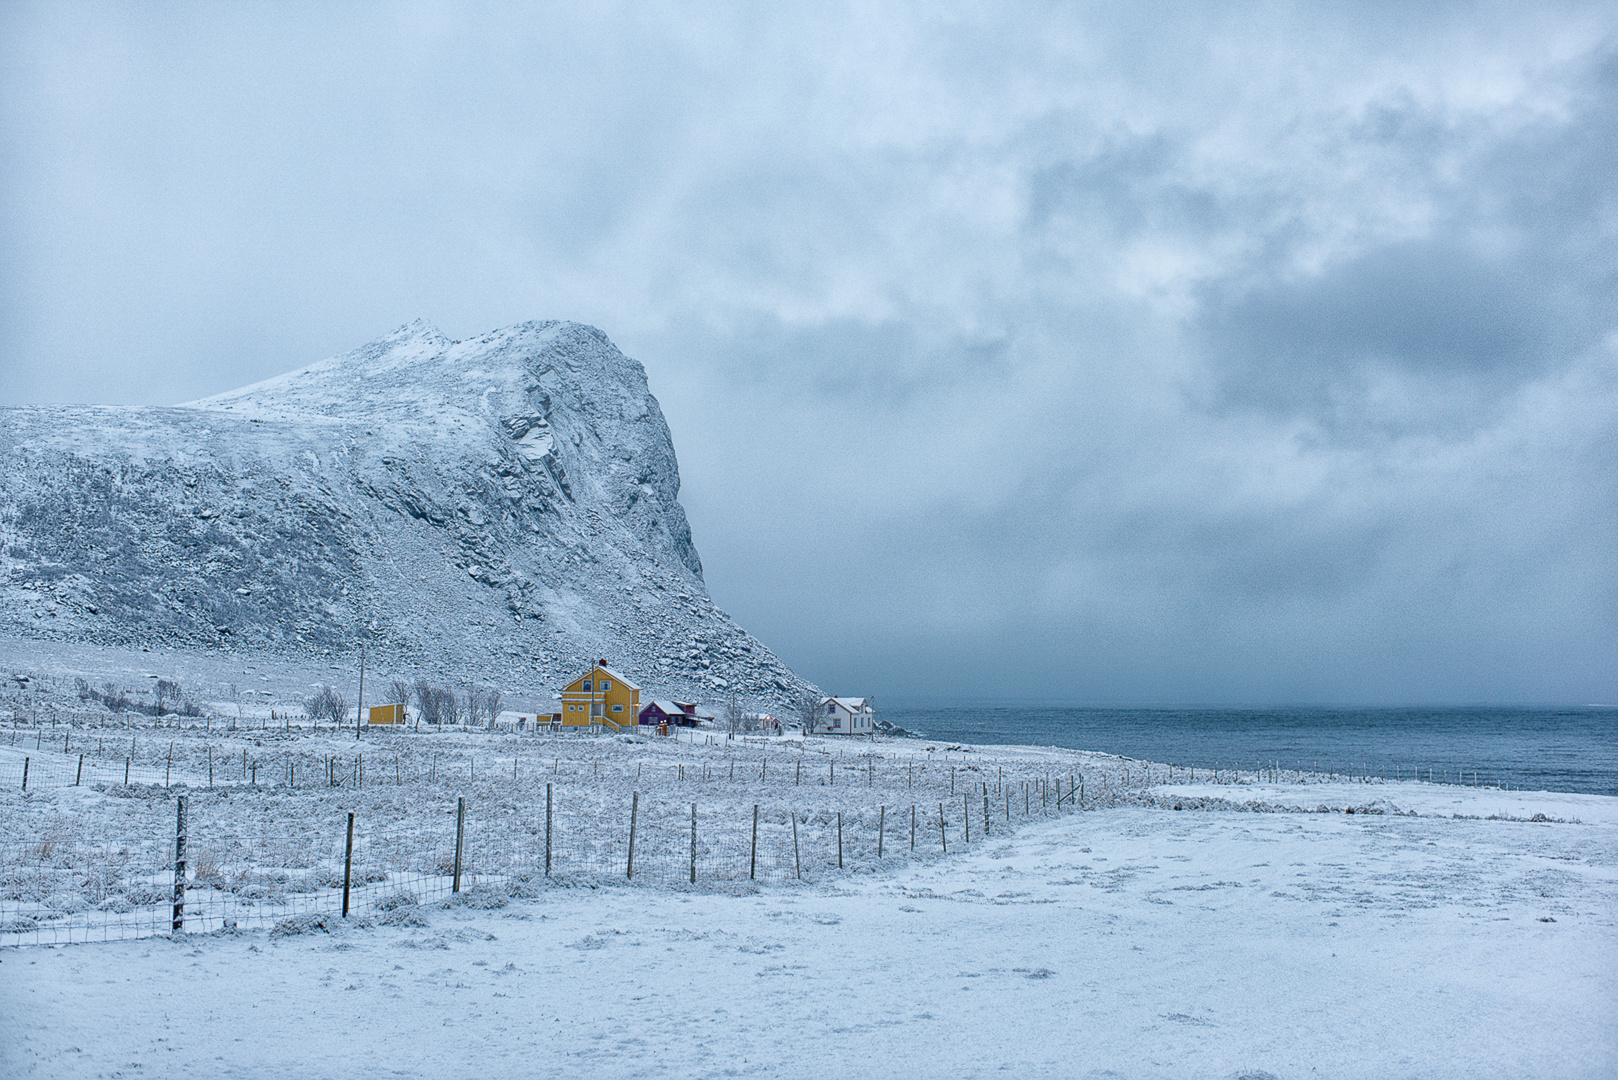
x=631 y=683
x=668 y=707
x=852 y=704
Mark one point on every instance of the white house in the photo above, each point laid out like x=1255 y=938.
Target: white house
x=844 y=716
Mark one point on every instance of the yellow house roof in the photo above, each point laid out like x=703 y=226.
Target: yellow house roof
x=628 y=684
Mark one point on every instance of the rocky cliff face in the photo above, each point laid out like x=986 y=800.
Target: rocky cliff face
x=504 y=507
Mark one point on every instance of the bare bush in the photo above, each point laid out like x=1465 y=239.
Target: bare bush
x=808 y=712
x=438 y=706
x=328 y=703
x=481 y=705
x=167 y=691
x=449 y=707
x=427 y=699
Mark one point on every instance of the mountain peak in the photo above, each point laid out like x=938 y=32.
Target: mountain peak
x=507 y=504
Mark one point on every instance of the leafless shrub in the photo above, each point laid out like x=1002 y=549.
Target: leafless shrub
x=808 y=710
x=427 y=701
x=481 y=705
x=438 y=706
x=449 y=708
x=167 y=691
x=328 y=703
x=114 y=697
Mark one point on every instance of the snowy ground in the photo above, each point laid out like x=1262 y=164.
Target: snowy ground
x=1128 y=941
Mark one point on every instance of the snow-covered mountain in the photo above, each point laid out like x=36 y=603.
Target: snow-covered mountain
x=502 y=507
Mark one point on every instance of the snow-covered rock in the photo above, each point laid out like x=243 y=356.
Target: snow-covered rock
x=504 y=506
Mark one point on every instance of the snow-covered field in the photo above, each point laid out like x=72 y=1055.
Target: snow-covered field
x=1435 y=932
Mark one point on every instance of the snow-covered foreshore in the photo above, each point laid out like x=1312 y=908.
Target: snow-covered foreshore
x=1127 y=940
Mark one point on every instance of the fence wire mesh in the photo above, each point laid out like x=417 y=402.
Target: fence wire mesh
x=61 y=889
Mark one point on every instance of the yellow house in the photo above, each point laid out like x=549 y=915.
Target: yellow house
x=601 y=697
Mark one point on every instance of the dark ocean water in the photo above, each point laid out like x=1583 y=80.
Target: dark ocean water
x=1536 y=749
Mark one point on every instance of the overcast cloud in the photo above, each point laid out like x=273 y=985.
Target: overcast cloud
x=1079 y=352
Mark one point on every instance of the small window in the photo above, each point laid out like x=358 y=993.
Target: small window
x=586 y=686
x=606 y=684
x=617 y=708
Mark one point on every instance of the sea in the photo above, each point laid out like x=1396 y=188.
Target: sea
x=1534 y=749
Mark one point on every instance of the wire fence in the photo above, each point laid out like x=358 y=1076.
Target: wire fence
x=63 y=889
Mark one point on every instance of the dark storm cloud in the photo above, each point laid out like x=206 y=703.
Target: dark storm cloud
x=1516 y=277
x=1186 y=353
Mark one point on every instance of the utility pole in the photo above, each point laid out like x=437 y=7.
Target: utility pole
x=359 y=706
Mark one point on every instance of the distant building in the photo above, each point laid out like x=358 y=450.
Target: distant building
x=696 y=715
x=844 y=716
x=667 y=712
x=600 y=697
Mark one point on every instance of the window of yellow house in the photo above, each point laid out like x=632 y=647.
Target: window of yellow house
x=617 y=708
x=586 y=686
x=606 y=684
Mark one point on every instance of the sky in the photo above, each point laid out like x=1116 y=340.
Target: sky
x=1092 y=353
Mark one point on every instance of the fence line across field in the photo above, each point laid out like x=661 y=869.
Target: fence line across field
x=96 y=759
x=78 y=730
x=59 y=890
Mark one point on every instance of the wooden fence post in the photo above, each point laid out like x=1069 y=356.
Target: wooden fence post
x=693 y=843
x=460 y=832
x=881 y=819
x=752 y=856
x=839 y=839
x=547 y=830
x=79 y=777
x=178 y=924
x=126 y=772
x=912 y=826
x=985 y=812
x=348 y=862
x=797 y=867
x=943 y=837
x=634 y=814
x=25 y=774
x=210 y=766
x=966 y=817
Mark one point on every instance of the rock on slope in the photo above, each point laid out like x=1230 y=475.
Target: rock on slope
x=503 y=507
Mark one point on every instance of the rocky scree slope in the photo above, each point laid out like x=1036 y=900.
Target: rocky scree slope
x=503 y=507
